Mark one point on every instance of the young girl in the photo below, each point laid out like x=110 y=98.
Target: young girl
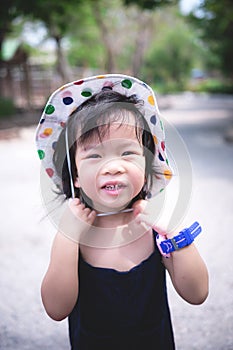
x=102 y=142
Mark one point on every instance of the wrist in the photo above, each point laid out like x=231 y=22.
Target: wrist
x=170 y=243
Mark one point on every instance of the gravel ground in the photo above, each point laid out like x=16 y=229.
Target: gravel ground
x=205 y=124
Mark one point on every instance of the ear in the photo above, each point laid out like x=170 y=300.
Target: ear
x=76 y=183
x=145 y=181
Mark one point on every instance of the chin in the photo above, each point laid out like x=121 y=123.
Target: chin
x=111 y=207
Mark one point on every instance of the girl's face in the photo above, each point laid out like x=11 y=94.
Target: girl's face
x=111 y=172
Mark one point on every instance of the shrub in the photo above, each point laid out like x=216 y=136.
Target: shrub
x=214 y=86
x=7 y=107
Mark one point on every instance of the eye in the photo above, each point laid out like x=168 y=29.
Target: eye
x=128 y=153
x=94 y=155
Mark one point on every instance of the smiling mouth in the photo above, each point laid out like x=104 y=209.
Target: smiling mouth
x=113 y=187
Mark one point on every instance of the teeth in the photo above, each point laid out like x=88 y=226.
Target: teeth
x=113 y=187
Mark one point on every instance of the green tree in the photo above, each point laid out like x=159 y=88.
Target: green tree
x=150 y=4
x=85 y=45
x=100 y=40
x=214 y=19
x=173 y=54
x=93 y=41
x=59 y=17
x=7 y=14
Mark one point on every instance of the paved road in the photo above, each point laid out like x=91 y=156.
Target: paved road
x=26 y=233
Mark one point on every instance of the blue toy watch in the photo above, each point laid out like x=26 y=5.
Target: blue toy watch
x=183 y=239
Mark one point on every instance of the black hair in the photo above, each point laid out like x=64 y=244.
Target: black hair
x=94 y=118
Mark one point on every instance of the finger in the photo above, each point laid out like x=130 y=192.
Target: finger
x=143 y=218
x=82 y=206
x=139 y=206
x=92 y=215
x=87 y=212
x=160 y=230
x=73 y=202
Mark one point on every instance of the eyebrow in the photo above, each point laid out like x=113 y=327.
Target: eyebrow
x=124 y=143
x=88 y=147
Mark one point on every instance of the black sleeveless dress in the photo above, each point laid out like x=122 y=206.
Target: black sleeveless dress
x=122 y=310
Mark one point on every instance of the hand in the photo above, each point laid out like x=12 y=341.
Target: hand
x=81 y=212
x=76 y=220
x=143 y=216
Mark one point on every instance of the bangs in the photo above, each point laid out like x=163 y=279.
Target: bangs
x=98 y=126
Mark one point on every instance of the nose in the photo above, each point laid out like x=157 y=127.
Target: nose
x=113 y=167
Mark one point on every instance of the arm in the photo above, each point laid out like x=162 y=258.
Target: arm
x=188 y=273
x=186 y=268
x=59 y=288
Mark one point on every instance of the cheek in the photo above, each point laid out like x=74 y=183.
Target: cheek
x=86 y=178
x=140 y=167
x=138 y=173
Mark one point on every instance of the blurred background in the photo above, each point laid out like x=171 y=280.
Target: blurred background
x=173 y=45
x=184 y=50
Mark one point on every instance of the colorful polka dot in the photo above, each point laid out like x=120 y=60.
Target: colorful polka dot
x=49 y=109
x=145 y=85
x=161 y=157
x=163 y=145
x=68 y=100
x=108 y=84
x=41 y=154
x=66 y=93
x=62 y=124
x=168 y=174
x=49 y=171
x=153 y=119
x=151 y=100
x=48 y=131
x=126 y=83
x=86 y=93
x=161 y=124
x=42 y=120
x=155 y=139
x=79 y=82
x=54 y=144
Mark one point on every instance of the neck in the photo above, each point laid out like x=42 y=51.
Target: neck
x=115 y=212
x=114 y=219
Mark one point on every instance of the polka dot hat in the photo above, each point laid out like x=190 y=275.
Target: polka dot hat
x=67 y=98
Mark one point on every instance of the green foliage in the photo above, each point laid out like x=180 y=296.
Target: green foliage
x=86 y=48
x=100 y=39
x=7 y=107
x=150 y=4
x=172 y=56
x=56 y=15
x=213 y=86
x=7 y=14
x=170 y=47
x=214 y=19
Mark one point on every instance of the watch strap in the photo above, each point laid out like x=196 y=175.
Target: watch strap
x=183 y=239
